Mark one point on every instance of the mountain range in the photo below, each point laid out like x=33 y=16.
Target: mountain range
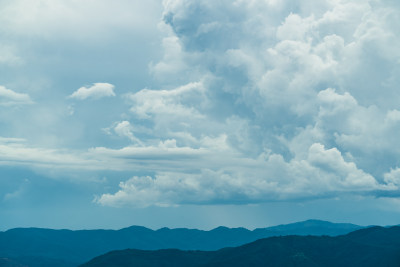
x=36 y=247
x=375 y=246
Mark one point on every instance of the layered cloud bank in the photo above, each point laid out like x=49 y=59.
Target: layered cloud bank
x=250 y=101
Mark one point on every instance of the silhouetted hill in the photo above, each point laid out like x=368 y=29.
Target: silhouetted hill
x=66 y=248
x=376 y=246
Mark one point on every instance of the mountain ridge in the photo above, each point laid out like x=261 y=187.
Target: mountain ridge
x=374 y=246
x=299 y=223
x=72 y=247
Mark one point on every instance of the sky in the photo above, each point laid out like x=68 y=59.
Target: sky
x=188 y=113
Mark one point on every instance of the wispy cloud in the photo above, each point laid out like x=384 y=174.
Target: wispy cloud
x=10 y=98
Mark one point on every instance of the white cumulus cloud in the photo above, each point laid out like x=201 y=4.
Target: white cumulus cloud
x=98 y=90
x=305 y=96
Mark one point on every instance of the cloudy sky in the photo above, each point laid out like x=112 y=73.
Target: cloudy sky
x=187 y=113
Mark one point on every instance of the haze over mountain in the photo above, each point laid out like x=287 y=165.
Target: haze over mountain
x=375 y=246
x=47 y=247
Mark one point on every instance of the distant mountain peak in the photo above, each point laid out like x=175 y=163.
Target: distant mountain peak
x=135 y=228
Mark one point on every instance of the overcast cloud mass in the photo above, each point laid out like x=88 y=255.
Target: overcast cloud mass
x=199 y=113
